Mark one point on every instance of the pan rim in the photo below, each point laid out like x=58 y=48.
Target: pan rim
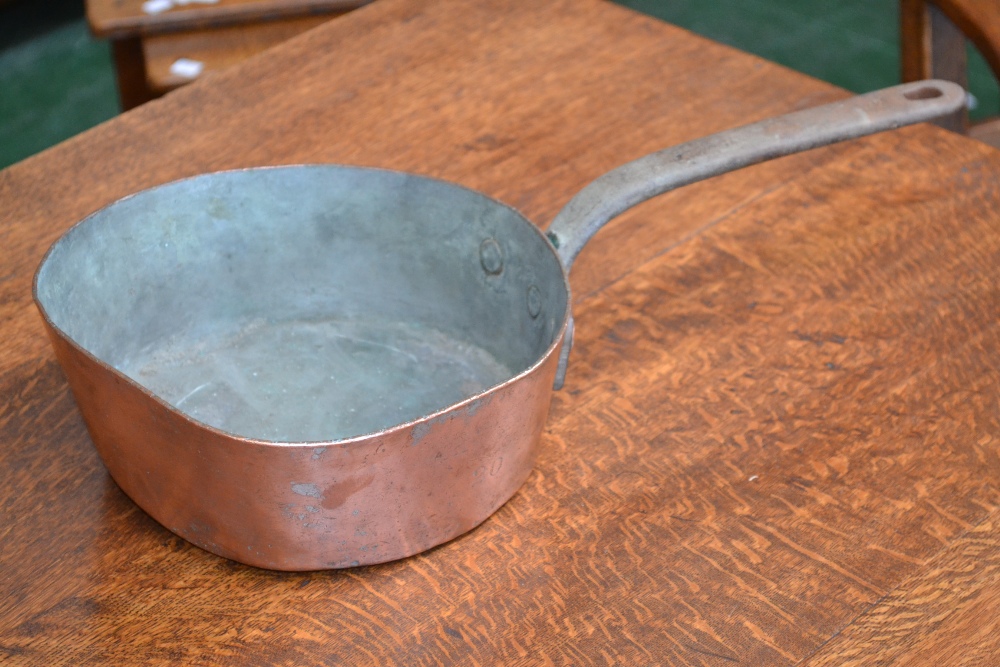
x=403 y=426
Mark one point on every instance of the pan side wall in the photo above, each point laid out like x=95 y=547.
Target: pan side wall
x=218 y=254
x=306 y=507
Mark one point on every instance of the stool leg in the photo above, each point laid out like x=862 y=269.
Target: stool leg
x=130 y=65
x=932 y=47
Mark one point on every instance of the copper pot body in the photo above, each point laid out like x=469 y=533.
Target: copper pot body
x=310 y=367
x=316 y=506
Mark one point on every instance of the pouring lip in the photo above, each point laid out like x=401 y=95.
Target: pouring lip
x=365 y=437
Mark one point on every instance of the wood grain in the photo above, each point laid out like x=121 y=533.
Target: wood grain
x=781 y=411
x=945 y=615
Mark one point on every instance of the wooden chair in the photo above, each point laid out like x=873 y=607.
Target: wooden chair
x=148 y=41
x=932 y=45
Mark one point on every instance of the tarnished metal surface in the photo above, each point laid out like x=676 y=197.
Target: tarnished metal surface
x=319 y=505
x=308 y=304
x=310 y=367
x=322 y=366
x=630 y=184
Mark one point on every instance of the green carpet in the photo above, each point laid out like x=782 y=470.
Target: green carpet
x=56 y=80
x=852 y=43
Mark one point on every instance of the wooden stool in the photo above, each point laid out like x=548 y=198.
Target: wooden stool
x=932 y=45
x=159 y=45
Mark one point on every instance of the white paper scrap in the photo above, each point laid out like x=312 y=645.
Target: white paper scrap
x=187 y=68
x=157 y=6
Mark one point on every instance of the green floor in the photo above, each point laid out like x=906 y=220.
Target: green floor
x=56 y=80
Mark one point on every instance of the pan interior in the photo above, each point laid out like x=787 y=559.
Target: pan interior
x=307 y=304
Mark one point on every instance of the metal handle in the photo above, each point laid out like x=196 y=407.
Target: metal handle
x=633 y=183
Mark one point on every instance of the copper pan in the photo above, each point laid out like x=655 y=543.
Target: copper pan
x=324 y=366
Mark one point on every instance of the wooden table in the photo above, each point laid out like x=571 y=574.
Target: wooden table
x=214 y=48
x=778 y=442
x=214 y=33
x=933 y=36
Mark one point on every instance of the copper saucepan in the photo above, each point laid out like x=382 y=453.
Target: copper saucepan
x=324 y=366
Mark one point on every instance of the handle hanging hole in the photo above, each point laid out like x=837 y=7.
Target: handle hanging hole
x=923 y=93
x=491 y=257
x=534 y=301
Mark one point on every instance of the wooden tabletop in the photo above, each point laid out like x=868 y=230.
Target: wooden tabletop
x=779 y=441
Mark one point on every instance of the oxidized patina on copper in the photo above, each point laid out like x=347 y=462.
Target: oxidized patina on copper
x=321 y=366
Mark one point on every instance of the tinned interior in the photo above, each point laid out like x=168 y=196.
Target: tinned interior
x=307 y=303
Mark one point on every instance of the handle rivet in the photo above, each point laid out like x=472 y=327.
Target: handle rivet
x=534 y=301
x=491 y=257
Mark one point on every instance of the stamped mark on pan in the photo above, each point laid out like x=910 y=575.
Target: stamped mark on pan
x=310 y=490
